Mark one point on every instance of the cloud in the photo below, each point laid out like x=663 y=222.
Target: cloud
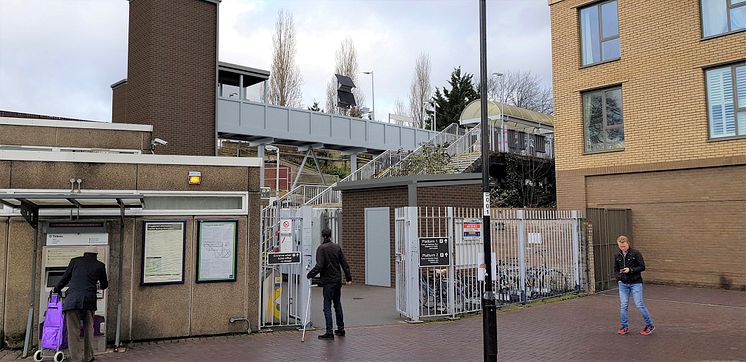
x=65 y=63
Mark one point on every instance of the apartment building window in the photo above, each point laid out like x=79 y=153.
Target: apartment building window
x=603 y=124
x=722 y=16
x=726 y=100
x=599 y=32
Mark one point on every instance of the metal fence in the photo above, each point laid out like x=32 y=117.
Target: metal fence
x=537 y=254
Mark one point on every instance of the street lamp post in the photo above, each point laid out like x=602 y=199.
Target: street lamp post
x=373 y=94
x=489 y=308
x=434 y=122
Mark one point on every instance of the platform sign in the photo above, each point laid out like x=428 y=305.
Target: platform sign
x=286 y=235
x=283 y=258
x=434 y=252
x=472 y=229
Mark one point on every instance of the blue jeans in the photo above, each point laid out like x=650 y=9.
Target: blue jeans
x=636 y=290
x=332 y=294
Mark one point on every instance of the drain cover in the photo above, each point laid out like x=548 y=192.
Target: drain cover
x=357 y=298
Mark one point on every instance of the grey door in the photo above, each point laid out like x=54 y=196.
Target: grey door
x=377 y=247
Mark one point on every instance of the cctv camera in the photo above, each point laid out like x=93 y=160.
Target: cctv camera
x=159 y=141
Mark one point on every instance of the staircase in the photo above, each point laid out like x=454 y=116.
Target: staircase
x=461 y=162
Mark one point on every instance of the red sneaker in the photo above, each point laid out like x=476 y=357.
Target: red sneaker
x=647 y=331
x=623 y=330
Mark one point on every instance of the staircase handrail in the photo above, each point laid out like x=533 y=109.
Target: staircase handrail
x=369 y=170
x=449 y=135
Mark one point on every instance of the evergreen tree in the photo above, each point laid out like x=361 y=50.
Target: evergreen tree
x=452 y=102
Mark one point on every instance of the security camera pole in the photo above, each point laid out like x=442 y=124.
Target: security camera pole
x=489 y=309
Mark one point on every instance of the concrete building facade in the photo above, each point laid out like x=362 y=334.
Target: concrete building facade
x=650 y=115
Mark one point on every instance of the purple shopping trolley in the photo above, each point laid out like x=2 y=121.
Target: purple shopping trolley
x=53 y=334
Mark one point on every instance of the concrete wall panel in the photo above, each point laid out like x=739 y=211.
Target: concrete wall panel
x=57 y=175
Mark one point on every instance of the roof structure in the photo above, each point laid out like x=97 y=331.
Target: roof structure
x=495 y=110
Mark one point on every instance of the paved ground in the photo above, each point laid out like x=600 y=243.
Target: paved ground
x=693 y=324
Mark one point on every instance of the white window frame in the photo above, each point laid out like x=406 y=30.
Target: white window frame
x=737 y=107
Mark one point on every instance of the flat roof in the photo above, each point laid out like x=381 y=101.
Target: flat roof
x=33 y=122
x=86 y=157
x=423 y=180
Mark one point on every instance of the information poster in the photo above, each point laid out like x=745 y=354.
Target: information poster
x=216 y=248
x=472 y=229
x=434 y=252
x=163 y=252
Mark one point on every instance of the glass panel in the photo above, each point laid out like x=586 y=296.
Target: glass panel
x=614 y=107
x=255 y=93
x=193 y=203
x=720 y=102
x=714 y=17
x=229 y=91
x=741 y=85
x=610 y=49
x=593 y=119
x=609 y=19
x=738 y=18
x=734 y=2
x=742 y=123
x=589 y=35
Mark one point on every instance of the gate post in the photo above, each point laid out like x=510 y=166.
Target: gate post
x=307 y=261
x=576 y=248
x=451 y=262
x=412 y=266
x=522 y=252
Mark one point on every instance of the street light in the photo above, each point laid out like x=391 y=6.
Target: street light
x=373 y=93
x=277 y=169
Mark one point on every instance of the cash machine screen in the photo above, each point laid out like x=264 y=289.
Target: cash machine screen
x=54 y=275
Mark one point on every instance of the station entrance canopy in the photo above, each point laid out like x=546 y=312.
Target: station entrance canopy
x=31 y=203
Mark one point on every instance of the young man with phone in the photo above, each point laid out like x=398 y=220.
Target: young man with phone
x=629 y=265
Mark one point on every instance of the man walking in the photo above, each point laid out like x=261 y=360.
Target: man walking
x=82 y=275
x=629 y=266
x=329 y=258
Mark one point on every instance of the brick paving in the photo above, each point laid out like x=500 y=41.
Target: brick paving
x=692 y=324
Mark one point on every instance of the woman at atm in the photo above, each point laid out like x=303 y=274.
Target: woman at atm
x=82 y=276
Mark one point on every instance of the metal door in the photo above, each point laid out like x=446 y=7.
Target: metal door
x=607 y=225
x=377 y=247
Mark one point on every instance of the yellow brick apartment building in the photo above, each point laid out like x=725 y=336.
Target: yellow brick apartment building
x=650 y=115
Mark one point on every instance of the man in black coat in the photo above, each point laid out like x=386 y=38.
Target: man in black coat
x=629 y=265
x=82 y=275
x=329 y=259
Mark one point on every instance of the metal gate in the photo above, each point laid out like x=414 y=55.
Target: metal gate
x=606 y=226
x=284 y=287
x=537 y=254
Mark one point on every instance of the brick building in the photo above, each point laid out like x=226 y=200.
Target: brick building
x=650 y=115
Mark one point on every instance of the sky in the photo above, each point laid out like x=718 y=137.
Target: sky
x=61 y=57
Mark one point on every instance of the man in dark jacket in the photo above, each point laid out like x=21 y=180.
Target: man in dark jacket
x=82 y=275
x=329 y=258
x=629 y=265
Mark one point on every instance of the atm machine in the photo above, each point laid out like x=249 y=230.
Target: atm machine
x=66 y=240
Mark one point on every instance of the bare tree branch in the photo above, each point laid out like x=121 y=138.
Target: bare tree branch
x=285 y=78
x=400 y=109
x=420 y=91
x=521 y=89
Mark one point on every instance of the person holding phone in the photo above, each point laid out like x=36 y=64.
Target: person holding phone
x=629 y=265
x=330 y=262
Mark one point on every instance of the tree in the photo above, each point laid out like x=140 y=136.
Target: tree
x=315 y=107
x=521 y=89
x=420 y=91
x=399 y=108
x=285 y=78
x=452 y=102
x=346 y=64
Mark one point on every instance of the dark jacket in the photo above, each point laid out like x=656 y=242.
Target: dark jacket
x=329 y=258
x=633 y=260
x=82 y=274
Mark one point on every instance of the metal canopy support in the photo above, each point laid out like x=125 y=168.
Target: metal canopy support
x=300 y=169
x=32 y=217
x=318 y=167
x=121 y=272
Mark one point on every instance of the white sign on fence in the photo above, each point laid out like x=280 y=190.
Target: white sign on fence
x=483 y=267
x=534 y=238
x=286 y=235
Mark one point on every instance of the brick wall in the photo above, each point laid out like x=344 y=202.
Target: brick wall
x=119 y=103
x=662 y=80
x=171 y=73
x=354 y=204
x=686 y=239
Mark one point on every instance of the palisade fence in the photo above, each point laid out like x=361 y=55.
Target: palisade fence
x=538 y=253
